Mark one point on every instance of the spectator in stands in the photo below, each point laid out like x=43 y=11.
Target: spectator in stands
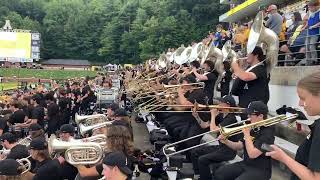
x=282 y=36
x=241 y=36
x=275 y=20
x=313 y=31
x=295 y=47
x=218 y=36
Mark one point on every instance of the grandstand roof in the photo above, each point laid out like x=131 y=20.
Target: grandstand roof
x=71 y=62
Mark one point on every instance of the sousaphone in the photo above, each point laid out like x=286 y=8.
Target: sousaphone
x=177 y=57
x=196 y=52
x=259 y=34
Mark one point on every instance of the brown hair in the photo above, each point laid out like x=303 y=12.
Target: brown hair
x=43 y=153
x=311 y=83
x=119 y=139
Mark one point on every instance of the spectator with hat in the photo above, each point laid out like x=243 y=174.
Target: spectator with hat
x=275 y=20
x=214 y=154
x=255 y=164
x=46 y=168
x=115 y=166
x=17 y=151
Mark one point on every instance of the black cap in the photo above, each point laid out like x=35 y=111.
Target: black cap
x=120 y=112
x=35 y=127
x=67 y=128
x=228 y=100
x=113 y=106
x=9 y=137
x=118 y=159
x=38 y=144
x=9 y=167
x=257 y=107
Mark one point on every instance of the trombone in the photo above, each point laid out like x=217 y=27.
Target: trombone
x=196 y=107
x=228 y=131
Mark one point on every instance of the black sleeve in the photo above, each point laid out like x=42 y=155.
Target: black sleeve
x=197 y=96
x=19 y=152
x=35 y=113
x=228 y=120
x=266 y=137
x=211 y=77
x=259 y=71
x=3 y=124
x=99 y=169
x=228 y=76
x=314 y=156
x=53 y=110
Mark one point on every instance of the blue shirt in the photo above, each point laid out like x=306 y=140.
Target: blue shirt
x=312 y=21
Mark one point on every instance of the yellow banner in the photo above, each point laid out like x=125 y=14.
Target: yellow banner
x=241 y=6
x=15 y=45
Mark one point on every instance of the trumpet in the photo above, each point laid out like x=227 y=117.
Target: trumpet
x=76 y=152
x=229 y=131
x=25 y=163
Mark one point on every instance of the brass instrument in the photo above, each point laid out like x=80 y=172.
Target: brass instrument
x=90 y=119
x=76 y=152
x=177 y=56
x=101 y=139
x=25 y=141
x=84 y=128
x=25 y=163
x=196 y=107
x=259 y=34
x=229 y=131
x=196 y=52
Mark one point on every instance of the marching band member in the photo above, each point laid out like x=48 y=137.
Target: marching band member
x=17 y=151
x=115 y=166
x=67 y=132
x=209 y=78
x=255 y=164
x=118 y=139
x=46 y=168
x=251 y=84
x=306 y=165
x=10 y=169
x=204 y=157
x=53 y=114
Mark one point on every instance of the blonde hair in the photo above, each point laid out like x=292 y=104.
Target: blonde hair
x=311 y=83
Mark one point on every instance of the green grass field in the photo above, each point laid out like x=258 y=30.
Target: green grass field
x=8 y=86
x=44 y=73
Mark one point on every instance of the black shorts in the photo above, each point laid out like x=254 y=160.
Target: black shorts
x=295 y=49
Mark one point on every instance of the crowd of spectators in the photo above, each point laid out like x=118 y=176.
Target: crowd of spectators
x=298 y=34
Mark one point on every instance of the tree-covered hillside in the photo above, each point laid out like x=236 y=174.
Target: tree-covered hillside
x=124 y=31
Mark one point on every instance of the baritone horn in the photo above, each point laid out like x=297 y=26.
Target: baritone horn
x=76 y=152
x=79 y=119
x=25 y=163
x=229 y=131
x=84 y=128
